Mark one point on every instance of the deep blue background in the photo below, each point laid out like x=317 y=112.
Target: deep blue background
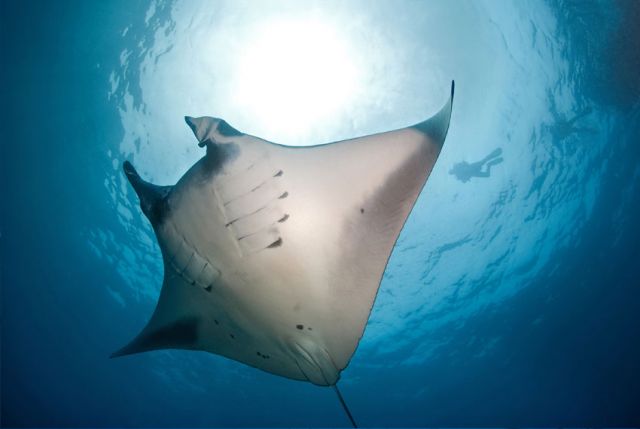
x=578 y=364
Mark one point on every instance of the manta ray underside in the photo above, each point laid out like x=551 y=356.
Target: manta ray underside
x=273 y=255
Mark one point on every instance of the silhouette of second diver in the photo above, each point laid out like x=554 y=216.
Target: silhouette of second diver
x=560 y=130
x=464 y=171
x=563 y=128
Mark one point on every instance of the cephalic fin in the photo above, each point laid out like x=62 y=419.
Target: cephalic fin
x=152 y=197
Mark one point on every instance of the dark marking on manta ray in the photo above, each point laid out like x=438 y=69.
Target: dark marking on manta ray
x=281 y=220
x=181 y=333
x=310 y=328
x=255 y=189
x=209 y=288
x=301 y=327
x=276 y=243
x=227 y=130
x=249 y=235
x=204 y=267
x=219 y=154
x=361 y=210
x=278 y=174
x=256 y=232
x=216 y=321
x=226 y=203
x=187 y=264
x=243 y=216
x=233 y=337
x=283 y=196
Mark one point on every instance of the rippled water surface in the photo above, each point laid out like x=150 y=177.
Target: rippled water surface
x=511 y=297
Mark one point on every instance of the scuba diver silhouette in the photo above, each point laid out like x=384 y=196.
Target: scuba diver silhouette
x=563 y=128
x=464 y=171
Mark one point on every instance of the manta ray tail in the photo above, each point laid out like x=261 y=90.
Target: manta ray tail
x=344 y=405
x=152 y=197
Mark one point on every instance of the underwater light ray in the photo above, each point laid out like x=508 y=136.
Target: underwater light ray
x=294 y=73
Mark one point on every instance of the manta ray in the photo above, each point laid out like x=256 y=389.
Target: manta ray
x=273 y=255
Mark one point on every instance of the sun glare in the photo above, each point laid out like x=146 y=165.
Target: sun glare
x=295 y=73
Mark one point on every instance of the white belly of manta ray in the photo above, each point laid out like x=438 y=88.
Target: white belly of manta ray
x=273 y=255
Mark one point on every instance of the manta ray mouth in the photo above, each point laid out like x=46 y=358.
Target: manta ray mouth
x=187 y=261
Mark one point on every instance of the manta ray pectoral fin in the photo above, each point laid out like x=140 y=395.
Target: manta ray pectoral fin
x=152 y=197
x=373 y=183
x=181 y=334
x=437 y=126
x=176 y=322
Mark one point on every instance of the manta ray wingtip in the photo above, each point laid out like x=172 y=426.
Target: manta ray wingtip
x=133 y=177
x=116 y=354
x=181 y=333
x=129 y=349
x=123 y=351
x=129 y=170
x=437 y=126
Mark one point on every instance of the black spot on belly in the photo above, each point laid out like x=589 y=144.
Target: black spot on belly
x=216 y=321
x=208 y=288
x=301 y=327
x=233 y=337
x=283 y=218
x=278 y=174
x=361 y=210
x=284 y=195
x=309 y=328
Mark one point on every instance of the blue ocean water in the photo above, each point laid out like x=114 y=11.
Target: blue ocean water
x=511 y=297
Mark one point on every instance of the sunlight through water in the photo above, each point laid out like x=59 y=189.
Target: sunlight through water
x=510 y=298
x=294 y=73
